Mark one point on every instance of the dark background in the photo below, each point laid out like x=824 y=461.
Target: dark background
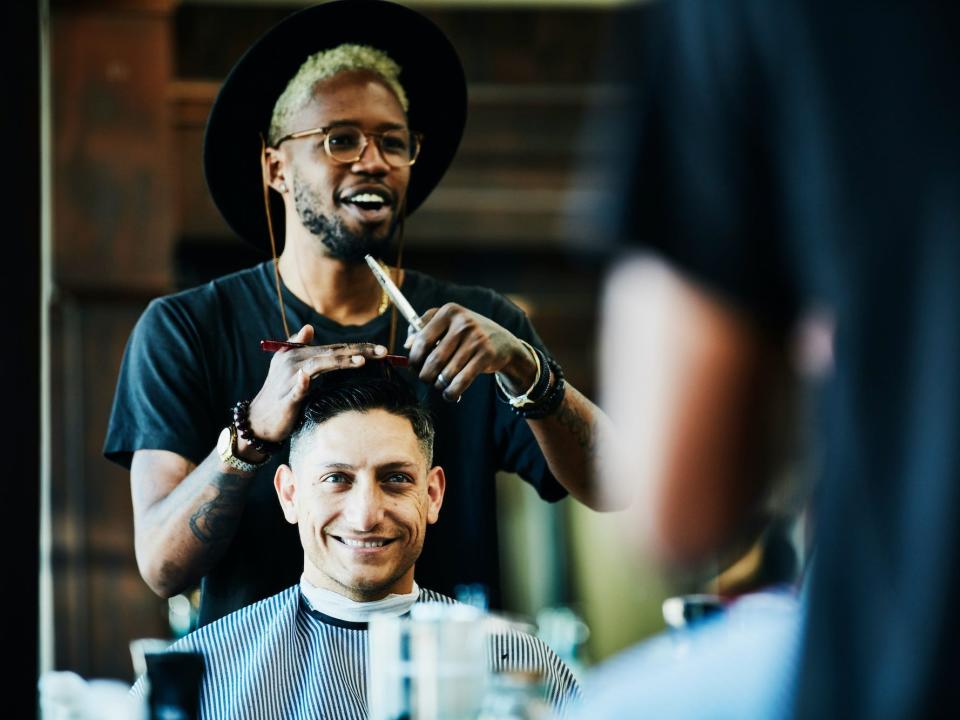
x=20 y=297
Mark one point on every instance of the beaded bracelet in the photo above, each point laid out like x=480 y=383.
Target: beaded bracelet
x=241 y=420
x=550 y=401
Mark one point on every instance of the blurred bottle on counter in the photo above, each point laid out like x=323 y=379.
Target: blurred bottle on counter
x=428 y=665
x=474 y=595
x=566 y=633
x=685 y=611
x=174 y=685
x=183 y=612
x=515 y=696
x=67 y=696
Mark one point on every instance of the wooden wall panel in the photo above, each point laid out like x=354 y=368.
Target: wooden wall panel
x=101 y=601
x=112 y=224
x=196 y=215
x=497 y=44
x=113 y=239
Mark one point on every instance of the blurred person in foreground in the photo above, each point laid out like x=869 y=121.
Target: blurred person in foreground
x=361 y=488
x=785 y=164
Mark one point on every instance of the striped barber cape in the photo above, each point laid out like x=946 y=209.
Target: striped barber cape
x=281 y=659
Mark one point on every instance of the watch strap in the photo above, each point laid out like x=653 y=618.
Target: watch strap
x=229 y=458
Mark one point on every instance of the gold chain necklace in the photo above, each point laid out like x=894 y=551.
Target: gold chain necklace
x=384 y=298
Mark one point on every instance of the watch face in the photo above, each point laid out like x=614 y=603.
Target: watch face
x=223 y=442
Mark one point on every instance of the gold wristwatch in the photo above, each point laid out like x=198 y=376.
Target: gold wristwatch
x=227 y=450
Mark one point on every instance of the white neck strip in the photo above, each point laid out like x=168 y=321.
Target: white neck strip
x=342 y=608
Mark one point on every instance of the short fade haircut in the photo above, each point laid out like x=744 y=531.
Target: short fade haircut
x=325 y=64
x=360 y=390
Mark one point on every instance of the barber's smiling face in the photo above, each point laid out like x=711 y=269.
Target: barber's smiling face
x=362 y=493
x=352 y=207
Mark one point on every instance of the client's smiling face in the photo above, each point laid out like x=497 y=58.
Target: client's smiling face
x=362 y=492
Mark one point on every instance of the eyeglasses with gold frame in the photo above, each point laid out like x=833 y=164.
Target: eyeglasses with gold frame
x=345 y=144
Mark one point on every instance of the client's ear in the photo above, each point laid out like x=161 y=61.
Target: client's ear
x=286 y=486
x=436 y=485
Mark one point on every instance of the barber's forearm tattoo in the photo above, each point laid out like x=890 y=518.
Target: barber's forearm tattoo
x=215 y=521
x=581 y=428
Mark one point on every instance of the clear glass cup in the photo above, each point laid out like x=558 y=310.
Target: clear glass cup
x=428 y=665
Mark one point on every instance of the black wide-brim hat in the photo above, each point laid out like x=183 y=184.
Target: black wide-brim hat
x=431 y=75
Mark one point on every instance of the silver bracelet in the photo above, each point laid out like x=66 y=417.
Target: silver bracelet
x=519 y=401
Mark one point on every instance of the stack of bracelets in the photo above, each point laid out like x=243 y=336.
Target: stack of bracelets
x=544 y=396
x=241 y=420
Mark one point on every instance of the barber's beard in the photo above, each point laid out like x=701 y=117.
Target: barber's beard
x=341 y=242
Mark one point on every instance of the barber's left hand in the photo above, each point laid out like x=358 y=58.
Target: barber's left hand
x=457 y=345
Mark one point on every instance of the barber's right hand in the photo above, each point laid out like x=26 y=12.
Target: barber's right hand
x=276 y=408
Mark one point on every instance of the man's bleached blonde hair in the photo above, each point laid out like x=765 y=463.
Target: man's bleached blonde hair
x=325 y=64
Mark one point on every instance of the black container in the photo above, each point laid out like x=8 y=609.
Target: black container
x=174 y=679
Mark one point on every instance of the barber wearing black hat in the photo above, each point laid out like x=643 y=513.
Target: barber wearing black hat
x=331 y=129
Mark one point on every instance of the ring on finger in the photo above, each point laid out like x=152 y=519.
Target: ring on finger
x=442 y=380
x=451 y=398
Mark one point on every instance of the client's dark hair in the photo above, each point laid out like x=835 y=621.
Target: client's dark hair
x=373 y=386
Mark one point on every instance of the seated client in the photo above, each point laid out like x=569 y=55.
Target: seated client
x=362 y=489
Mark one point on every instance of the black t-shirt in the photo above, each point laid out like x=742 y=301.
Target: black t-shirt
x=192 y=355
x=792 y=155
